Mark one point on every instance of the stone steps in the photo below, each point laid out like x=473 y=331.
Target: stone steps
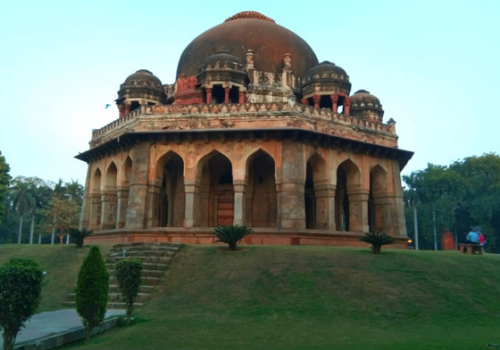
x=155 y=259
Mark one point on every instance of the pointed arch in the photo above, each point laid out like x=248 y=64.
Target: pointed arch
x=127 y=170
x=261 y=196
x=316 y=180
x=348 y=177
x=96 y=181
x=377 y=215
x=170 y=204
x=111 y=176
x=214 y=174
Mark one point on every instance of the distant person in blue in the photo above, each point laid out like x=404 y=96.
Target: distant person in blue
x=473 y=236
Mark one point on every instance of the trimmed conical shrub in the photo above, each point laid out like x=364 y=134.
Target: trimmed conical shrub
x=92 y=290
x=128 y=274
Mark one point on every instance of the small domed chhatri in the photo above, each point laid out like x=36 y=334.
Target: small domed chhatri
x=253 y=131
x=365 y=105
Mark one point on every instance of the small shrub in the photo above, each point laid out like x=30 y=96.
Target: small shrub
x=21 y=283
x=231 y=234
x=377 y=240
x=128 y=273
x=79 y=235
x=92 y=290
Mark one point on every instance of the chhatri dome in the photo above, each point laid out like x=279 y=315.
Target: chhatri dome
x=254 y=131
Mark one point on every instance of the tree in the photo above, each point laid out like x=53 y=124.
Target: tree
x=92 y=290
x=61 y=214
x=4 y=184
x=231 y=234
x=20 y=294
x=128 y=273
x=412 y=198
x=74 y=191
x=22 y=200
x=40 y=193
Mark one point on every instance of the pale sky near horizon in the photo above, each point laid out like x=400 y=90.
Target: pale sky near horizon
x=433 y=65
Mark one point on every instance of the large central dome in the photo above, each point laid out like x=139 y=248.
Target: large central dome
x=250 y=30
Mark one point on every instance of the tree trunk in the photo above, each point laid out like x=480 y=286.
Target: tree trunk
x=8 y=341
x=39 y=238
x=61 y=236
x=52 y=237
x=232 y=246
x=87 y=340
x=20 y=230
x=67 y=238
x=415 y=225
x=32 y=229
x=129 y=313
x=376 y=249
x=434 y=224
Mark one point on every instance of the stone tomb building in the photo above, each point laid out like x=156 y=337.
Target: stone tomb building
x=255 y=131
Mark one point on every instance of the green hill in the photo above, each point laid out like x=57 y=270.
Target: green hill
x=318 y=298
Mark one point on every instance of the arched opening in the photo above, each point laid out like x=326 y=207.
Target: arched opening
x=109 y=207
x=96 y=200
x=378 y=188
x=261 y=197
x=127 y=170
x=315 y=193
x=172 y=204
x=347 y=178
x=218 y=94
x=325 y=102
x=216 y=191
x=134 y=105
x=340 y=104
x=234 y=94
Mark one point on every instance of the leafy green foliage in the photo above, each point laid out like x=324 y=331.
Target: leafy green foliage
x=231 y=234
x=128 y=273
x=79 y=235
x=377 y=240
x=4 y=184
x=92 y=290
x=20 y=294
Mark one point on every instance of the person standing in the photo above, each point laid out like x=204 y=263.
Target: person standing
x=482 y=240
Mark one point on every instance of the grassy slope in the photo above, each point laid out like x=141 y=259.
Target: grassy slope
x=61 y=264
x=319 y=298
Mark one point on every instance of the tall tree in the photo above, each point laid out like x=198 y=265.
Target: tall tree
x=4 y=184
x=40 y=194
x=412 y=199
x=61 y=214
x=22 y=200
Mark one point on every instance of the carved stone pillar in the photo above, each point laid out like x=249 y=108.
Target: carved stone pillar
x=347 y=105
x=304 y=101
x=209 y=95
x=316 y=99
x=242 y=97
x=136 y=208
x=325 y=206
x=239 y=202
x=127 y=108
x=335 y=101
x=358 y=210
x=153 y=204
x=122 y=201
x=226 y=95
x=85 y=214
x=121 y=110
x=108 y=213
x=95 y=211
x=382 y=213
x=192 y=203
x=291 y=206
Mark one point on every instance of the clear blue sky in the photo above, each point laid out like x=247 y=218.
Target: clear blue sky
x=433 y=64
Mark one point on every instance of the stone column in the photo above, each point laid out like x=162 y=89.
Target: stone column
x=291 y=206
x=382 y=215
x=122 y=201
x=108 y=213
x=304 y=101
x=398 y=222
x=95 y=211
x=209 y=95
x=325 y=206
x=316 y=99
x=136 y=208
x=226 y=95
x=121 y=110
x=335 y=100
x=239 y=202
x=153 y=204
x=242 y=97
x=358 y=210
x=347 y=105
x=192 y=203
x=127 y=108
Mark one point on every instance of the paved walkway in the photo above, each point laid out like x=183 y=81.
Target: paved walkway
x=50 y=323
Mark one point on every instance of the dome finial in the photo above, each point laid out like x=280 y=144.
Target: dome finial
x=249 y=15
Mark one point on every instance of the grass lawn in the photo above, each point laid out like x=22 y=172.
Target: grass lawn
x=60 y=262
x=318 y=298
